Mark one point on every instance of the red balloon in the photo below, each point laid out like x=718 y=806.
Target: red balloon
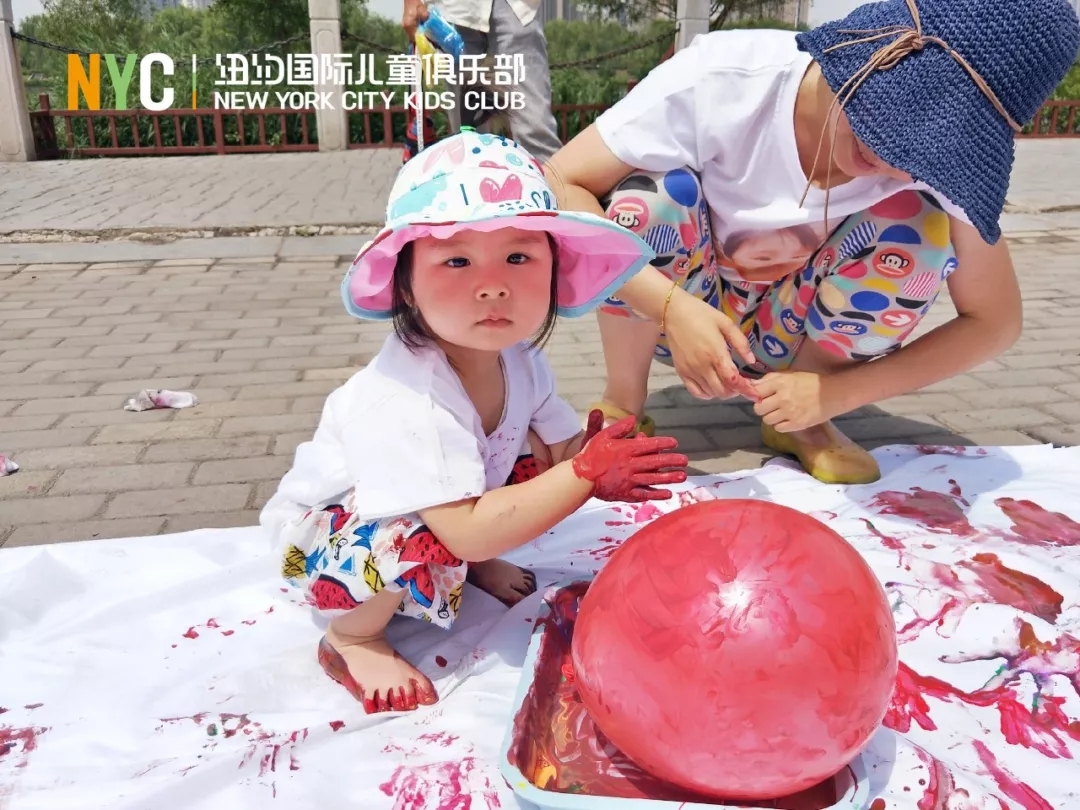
x=737 y=649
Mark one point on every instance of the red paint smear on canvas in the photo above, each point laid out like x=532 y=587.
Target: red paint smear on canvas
x=337 y=725
x=1033 y=525
x=1041 y=725
x=212 y=624
x=891 y=543
x=942 y=513
x=938 y=787
x=18 y=743
x=559 y=749
x=442 y=786
x=949 y=450
x=982 y=579
x=609 y=547
x=1018 y=791
x=270 y=750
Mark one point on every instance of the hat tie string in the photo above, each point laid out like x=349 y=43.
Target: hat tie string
x=907 y=40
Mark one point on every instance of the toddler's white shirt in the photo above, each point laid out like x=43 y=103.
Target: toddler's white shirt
x=404 y=434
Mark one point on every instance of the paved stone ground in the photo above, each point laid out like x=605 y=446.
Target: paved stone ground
x=262 y=340
x=74 y=198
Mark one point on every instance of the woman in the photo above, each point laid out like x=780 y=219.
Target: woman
x=808 y=195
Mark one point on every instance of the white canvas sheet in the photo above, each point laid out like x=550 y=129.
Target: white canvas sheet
x=176 y=672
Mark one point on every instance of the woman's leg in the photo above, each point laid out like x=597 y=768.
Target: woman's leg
x=505 y=581
x=668 y=211
x=864 y=293
x=360 y=574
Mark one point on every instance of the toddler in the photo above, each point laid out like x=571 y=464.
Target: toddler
x=403 y=494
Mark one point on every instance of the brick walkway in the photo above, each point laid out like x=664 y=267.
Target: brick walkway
x=79 y=198
x=262 y=341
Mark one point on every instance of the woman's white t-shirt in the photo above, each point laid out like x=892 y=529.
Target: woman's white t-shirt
x=404 y=435
x=724 y=107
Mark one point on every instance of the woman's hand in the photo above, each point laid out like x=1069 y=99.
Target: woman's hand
x=415 y=13
x=796 y=400
x=698 y=336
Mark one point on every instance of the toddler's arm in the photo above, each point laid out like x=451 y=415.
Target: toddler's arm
x=563 y=451
x=610 y=466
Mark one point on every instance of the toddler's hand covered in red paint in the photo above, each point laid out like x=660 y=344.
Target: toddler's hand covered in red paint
x=625 y=468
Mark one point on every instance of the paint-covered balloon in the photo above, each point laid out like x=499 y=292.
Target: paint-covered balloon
x=738 y=649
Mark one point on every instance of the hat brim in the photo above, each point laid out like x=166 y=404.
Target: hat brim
x=595 y=258
x=926 y=117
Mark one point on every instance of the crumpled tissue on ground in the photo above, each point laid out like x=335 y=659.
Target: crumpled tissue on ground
x=7 y=466
x=150 y=398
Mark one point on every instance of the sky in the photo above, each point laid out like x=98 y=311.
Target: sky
x=25 y=8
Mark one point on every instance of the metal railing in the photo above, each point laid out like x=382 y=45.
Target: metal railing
x=1055 y=119
x=206 y=131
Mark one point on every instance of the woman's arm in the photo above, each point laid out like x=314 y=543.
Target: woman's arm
x=581 y=173
x=989 y=318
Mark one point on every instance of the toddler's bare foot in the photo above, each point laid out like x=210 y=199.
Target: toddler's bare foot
x=505 y=581
x=374 y=673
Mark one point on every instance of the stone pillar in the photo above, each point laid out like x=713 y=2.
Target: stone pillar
x=692 y=17
x=333 y=124
x=16 y=138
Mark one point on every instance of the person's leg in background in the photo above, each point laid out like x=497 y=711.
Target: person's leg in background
x=533 y=126
x=476 y=44
x=862 y=295
x=667 y=210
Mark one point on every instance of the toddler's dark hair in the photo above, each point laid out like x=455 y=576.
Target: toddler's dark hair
x=410 y=327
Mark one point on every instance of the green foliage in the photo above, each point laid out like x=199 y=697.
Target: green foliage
x=1070 y=86
x=230 y=26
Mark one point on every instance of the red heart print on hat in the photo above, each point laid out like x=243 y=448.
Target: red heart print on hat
x=491 y=192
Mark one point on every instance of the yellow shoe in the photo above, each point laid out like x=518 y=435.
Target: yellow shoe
x=645 y=424
x=841 y=461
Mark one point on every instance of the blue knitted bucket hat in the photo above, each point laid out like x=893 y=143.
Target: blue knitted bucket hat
x=939 y=88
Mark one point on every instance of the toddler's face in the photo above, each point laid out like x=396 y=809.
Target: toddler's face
x=483 y=291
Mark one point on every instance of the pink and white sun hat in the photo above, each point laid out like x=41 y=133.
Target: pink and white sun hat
x=472 y=181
